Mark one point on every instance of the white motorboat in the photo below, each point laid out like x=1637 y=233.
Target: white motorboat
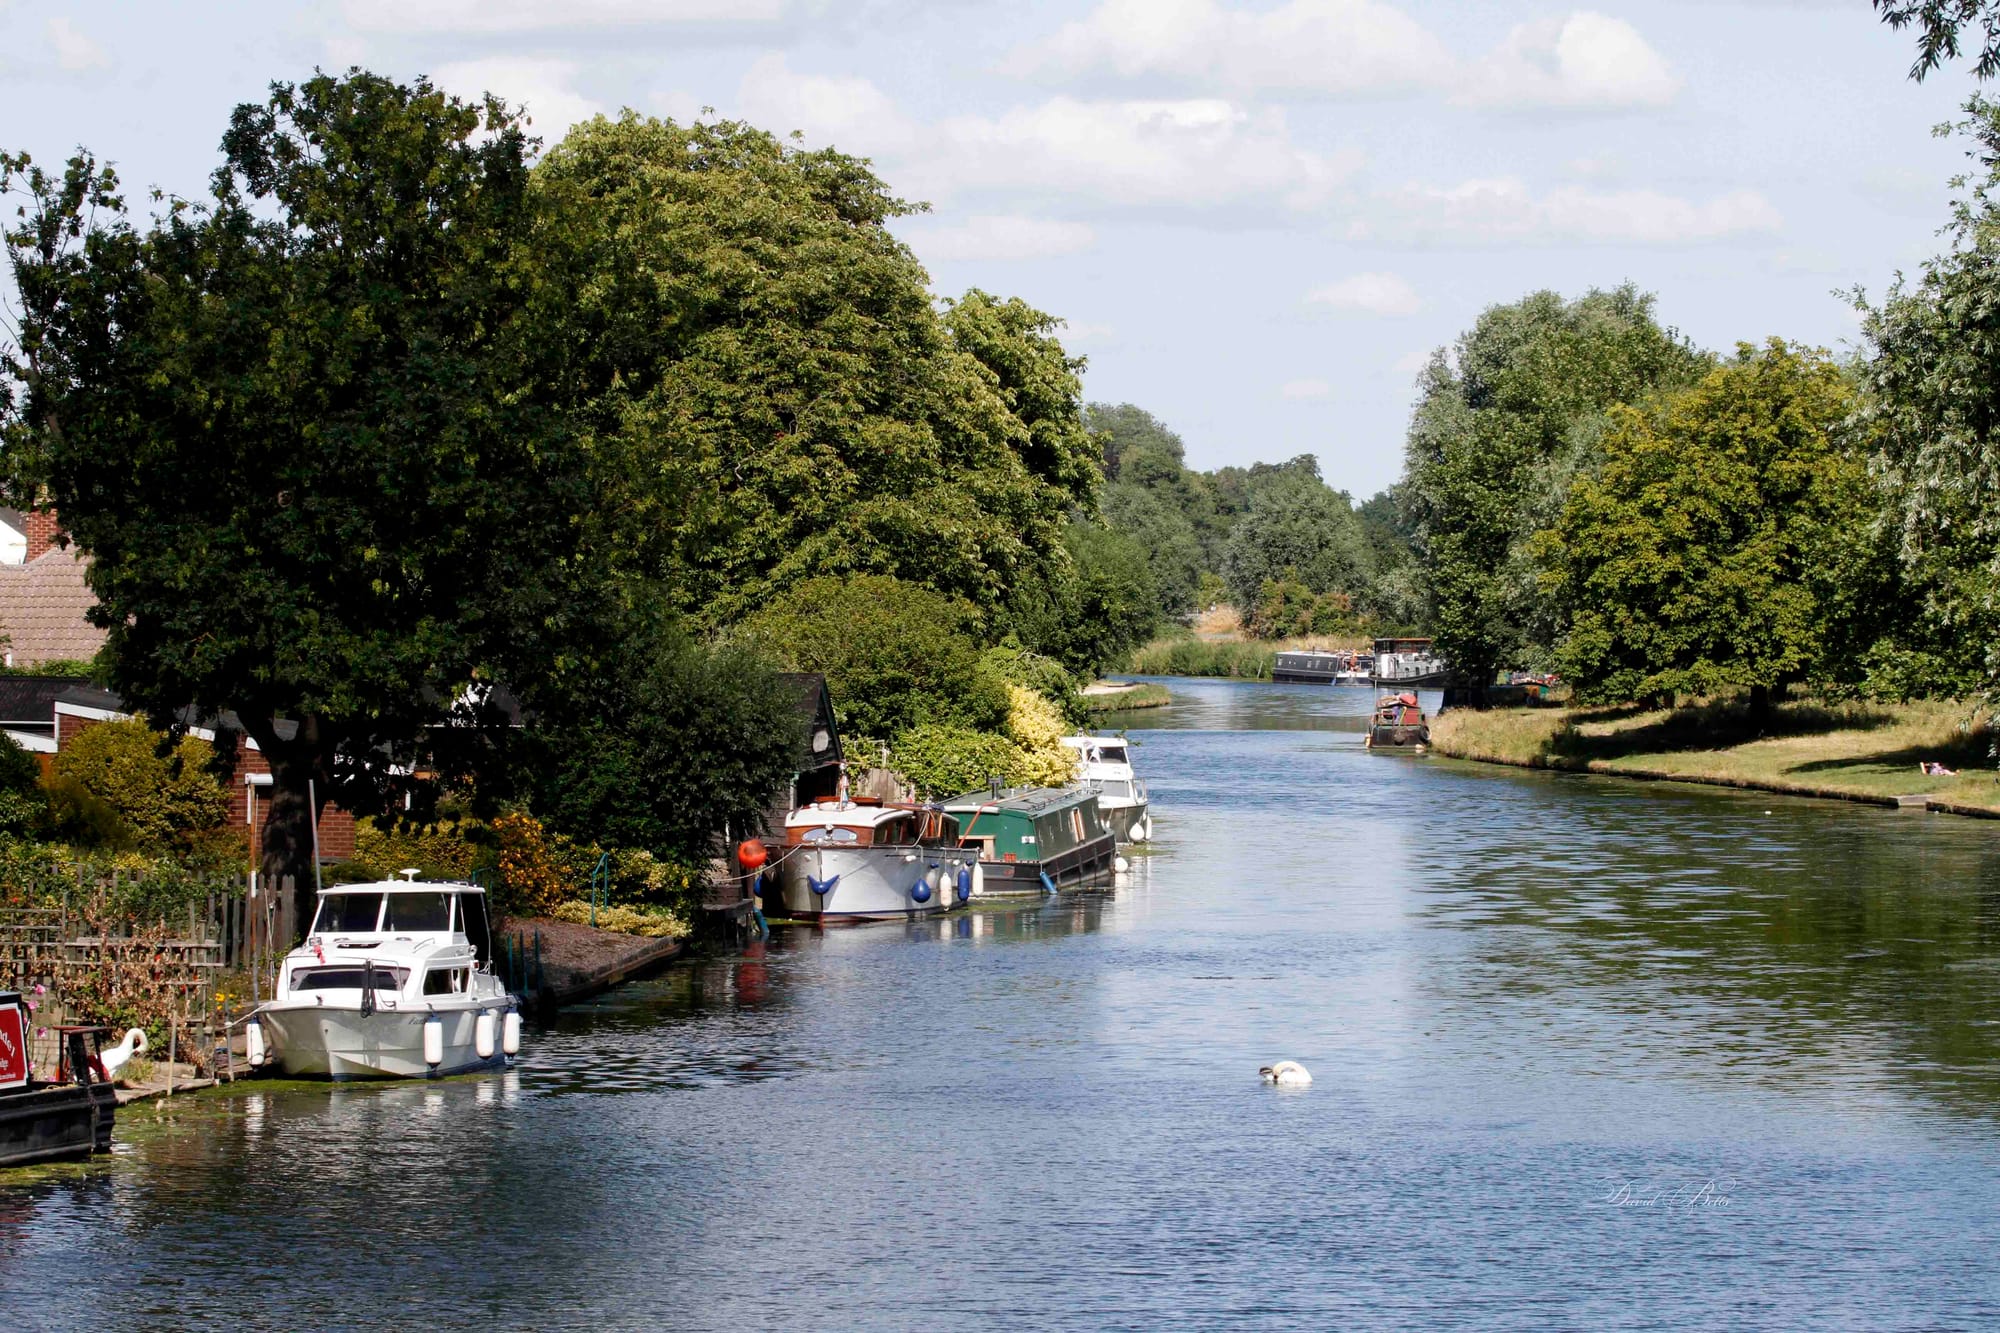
x=861 y=860
x=1104 y=764
x=395 y=980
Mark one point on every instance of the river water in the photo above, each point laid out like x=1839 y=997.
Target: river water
x=1586 y=1053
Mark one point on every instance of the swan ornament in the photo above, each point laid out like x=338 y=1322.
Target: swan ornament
x=1286 y=1074
x=115 y=1058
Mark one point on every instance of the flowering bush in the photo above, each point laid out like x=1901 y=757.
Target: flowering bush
x=532 y=878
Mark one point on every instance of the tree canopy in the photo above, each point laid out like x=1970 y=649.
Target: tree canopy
x=287 y=425
x=1717 y=547
x=1503 y=426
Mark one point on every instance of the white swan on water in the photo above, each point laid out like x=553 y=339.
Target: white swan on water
x=1286 y=1074
x=115 y=1057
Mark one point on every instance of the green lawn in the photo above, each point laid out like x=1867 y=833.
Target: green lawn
x=1844 y=749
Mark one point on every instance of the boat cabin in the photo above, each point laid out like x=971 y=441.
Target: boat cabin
x=1027 y=823
x=370 y=936
x=864 y=822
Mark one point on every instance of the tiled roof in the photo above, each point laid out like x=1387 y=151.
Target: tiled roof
x=42 y=605
x=32 y=699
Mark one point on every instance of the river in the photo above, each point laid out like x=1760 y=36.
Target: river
x=1586 y=1053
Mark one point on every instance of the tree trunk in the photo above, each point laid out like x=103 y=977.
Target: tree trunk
x=1760 y=703
x=288 y=829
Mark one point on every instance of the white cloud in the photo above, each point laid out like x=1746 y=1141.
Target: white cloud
x=1004 y=237
x=1409 y=363
x=1369 y=293
x=1304 y=389
x=1082 y=331
x=74 y=51
x=1585 y=61
x=459 y=17
x=851 y=113
x=1184 y=155
x=1321 y=47
x=1504 y=211
x=1189 y=155
x=544 y=87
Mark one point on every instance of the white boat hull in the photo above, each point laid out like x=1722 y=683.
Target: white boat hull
x=869 y=883
x=341 y=1043
x=1131 y=821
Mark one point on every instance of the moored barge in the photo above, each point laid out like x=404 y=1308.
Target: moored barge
x=46 y=1121
x=1033 y=839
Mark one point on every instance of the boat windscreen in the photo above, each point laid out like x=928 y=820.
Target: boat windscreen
x=418 y=911
x=347 y=978
x=348 y=911
x=1112 y=754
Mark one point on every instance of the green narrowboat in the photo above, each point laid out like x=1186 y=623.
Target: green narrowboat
x=1033 y=839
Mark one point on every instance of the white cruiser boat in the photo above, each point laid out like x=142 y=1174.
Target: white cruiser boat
x=861 y=860
x=395 y=980
x=1104 y=765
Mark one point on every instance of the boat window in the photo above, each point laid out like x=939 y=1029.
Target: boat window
x=827 y=835
x=896 y=831
x=347 y=978
x=1115 y=787
x=1114 y=754
x=444 y=981
x=472 y=922
x=418 y=911
x=348 y=911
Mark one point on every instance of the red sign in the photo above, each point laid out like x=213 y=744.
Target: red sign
x=13 y=1046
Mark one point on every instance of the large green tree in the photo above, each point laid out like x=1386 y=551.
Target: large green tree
x=1297 y=529
x=1504 y=425
x=1934 y=408
x=1725 y=542
x=767 y=388
x=289 y=426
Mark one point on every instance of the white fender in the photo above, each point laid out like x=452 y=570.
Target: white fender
x=433 y=1041
x=483 y=1034
x=510 y=1033
x=253 y=1043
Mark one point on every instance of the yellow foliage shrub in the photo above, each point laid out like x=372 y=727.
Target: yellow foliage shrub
x=1036 y=729
x=657 y=925
x=531 y=879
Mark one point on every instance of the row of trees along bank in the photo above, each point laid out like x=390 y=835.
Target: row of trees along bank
x=1589 y=493
x=407 y=405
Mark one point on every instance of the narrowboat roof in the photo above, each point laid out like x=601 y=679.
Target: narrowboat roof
x=845 y=814
x=1023 y=800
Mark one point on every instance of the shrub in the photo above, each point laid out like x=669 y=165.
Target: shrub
x=532 y=878
x=896 y=655
x=163 y=801
x=945 y=761
x=447 y=850
x=1036 y=729
x=653 y=923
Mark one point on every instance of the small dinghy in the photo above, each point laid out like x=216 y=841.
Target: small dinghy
x=48 y=1120
x=395 y=980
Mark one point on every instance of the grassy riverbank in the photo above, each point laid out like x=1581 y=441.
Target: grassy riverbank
x=1854 y=750
x=1125 y=698
x=1230 y=659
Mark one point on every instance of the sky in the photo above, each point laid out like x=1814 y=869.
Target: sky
x=1257 y=219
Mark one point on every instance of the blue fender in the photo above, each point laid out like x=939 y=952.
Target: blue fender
x=822 y=886
x=965 y=883
x=1048 y=883
x=921 y=890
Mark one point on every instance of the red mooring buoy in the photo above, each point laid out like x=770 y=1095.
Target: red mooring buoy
x=750 y=855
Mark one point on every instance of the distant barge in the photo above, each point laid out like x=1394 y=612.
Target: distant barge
x=1404 y=663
